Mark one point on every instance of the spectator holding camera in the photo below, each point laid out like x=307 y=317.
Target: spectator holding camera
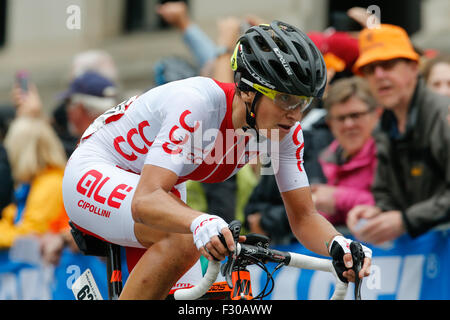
x=412 y=180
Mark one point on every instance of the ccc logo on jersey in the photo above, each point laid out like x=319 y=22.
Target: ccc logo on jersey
x=175 y=142
x=136 y=139
x=300 y=146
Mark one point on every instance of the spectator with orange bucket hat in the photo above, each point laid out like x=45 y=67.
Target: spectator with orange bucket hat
x=412 y=180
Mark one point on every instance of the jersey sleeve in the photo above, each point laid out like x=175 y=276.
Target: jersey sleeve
x=287 y=161
x=178 y=142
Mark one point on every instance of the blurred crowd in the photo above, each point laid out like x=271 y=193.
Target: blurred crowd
x=376 y=152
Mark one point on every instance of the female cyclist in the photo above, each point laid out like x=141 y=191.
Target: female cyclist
x=125 y=181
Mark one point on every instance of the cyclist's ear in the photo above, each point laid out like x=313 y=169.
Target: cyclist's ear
x=247 y=96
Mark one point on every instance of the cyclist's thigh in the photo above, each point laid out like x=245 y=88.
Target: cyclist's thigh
x=97 y=197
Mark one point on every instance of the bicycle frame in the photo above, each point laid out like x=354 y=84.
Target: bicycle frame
x=290 y=259
x=114 y=271
x=207 y=288
x=242 y=288
x=255 y=250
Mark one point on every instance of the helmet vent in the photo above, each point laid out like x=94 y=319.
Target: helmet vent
x=256 y=67
x=299 y=74
x=280 y=71
x=286 y=28
x=246 y=47
x=281 y=45
x=300 y=50
x=261 y=43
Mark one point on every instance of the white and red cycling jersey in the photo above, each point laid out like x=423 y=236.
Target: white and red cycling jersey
x=160 y=127
x=184 y=126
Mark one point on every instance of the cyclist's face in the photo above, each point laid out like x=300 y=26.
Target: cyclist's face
x=271 y=117
x=351 y=123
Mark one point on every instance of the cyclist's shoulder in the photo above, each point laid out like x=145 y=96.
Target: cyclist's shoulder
x=211 y=89
x=194 y=84
x=203 y=97
x=195 y=90
x=205 y=88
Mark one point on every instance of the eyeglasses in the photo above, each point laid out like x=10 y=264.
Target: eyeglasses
x=355 y=116
x=285 y=101
x=385 y=65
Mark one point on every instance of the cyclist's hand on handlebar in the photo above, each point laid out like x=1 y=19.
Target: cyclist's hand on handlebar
x=343 y=261
x=350 y=274
x=206 y=229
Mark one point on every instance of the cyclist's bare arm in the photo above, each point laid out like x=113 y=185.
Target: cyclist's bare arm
x=154 y=206
x=312 y=229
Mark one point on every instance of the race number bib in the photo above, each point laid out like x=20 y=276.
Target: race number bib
x=85 y=287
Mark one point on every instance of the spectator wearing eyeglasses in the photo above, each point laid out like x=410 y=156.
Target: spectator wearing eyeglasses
x=349 y=162
x=412 y=181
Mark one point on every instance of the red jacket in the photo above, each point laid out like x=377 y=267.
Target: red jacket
x=353 y=178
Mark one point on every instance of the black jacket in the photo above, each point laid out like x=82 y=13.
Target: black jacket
x=413 y=173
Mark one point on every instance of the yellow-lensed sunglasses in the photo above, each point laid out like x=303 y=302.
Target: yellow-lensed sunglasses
x=285 y=101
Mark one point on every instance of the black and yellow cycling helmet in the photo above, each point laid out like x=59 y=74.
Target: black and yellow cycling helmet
x=281 y=57
x=278 y=59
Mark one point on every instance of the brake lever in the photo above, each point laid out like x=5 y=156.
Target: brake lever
x=226 y=269
x=358 y=260
x=235 y=228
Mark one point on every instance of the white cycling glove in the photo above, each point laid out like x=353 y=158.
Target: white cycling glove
x=344 y=243
x=206 y=226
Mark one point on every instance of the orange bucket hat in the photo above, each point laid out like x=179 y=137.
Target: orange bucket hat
x=384 y=43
